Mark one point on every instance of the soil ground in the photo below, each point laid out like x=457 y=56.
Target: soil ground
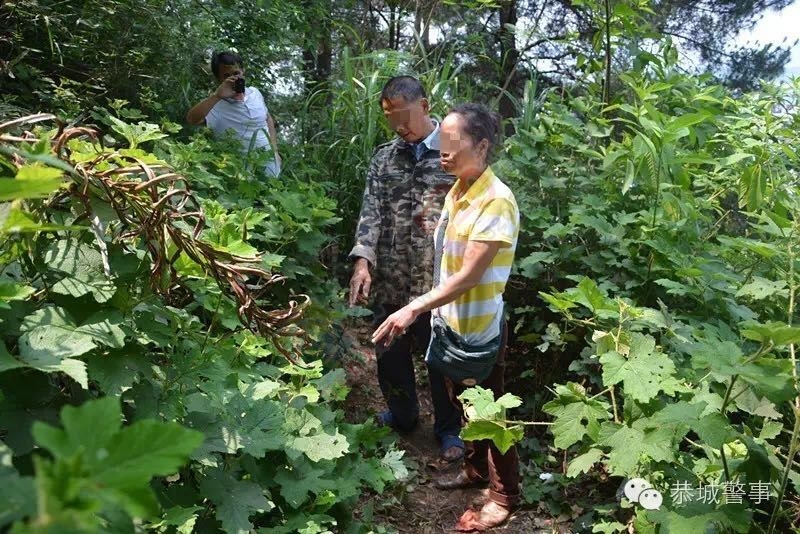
x=419 y=508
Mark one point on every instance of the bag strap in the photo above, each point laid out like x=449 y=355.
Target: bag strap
x=438 y=251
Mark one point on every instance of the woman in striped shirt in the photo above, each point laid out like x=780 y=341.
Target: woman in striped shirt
x=475 y=242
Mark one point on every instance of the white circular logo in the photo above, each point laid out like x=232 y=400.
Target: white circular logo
x=650 y=499
x=634 y=487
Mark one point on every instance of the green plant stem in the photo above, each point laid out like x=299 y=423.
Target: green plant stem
x=724 y=406
x=608 y=389
x=527 y=423
x=793 y=446
x=607 y=84
x=790 y=313
x=614 y=405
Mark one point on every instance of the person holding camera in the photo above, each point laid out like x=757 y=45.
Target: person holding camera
x=237 y=108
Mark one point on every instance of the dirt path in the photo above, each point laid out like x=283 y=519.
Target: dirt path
x=419 y=508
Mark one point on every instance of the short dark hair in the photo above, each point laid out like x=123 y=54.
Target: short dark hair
x=407 y=87
x=480 y=123
x=224 y=58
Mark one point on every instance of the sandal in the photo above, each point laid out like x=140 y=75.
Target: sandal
x=491 y=515
x=386 y=418
x=449 y=442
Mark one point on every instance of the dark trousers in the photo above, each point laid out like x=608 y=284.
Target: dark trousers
x=482 y=460
x=397 y=378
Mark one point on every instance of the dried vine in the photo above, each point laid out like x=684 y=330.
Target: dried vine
x=155 y=205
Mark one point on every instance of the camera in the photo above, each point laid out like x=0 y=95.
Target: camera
x=238 y=85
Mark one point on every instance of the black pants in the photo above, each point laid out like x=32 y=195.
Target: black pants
x=397 y=380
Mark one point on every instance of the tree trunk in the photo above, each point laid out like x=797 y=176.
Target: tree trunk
x=422 y=23
x=317 y=50
x=509 y=57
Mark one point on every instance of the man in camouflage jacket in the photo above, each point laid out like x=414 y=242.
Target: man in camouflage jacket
x=393 y=254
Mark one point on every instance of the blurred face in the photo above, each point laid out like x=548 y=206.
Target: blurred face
x=226 y=71
x=460 y=155
x=409 y=120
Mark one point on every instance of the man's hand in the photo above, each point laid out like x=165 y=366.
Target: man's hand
x=360 y=282
x=225 y=89
x=394 y=326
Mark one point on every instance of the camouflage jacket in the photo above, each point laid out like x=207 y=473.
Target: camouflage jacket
x=402 y=203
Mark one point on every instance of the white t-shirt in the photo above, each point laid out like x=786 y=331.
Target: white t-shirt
x=247 y=118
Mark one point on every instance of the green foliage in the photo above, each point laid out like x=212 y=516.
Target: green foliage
x=236 y=437
x=487 y=417
x=98 y=466
x=660 y=233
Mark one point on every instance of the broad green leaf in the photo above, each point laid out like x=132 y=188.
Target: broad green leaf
x=479 y=403
x=584 y=462
x=606 y=527
x=45 y=348
x=105 y=328
x=645 y=371
x=588 y=294
x=91 y=426
x=271 y=261
x=333 y=385
x=768 y=377
x=574 y=419
x=323 y=446
x=183 y=519
x=687 y=119
x=306 y=435
x=527 y=266
x=13 y=291
x=51 y=340
x=311 y=370
x=503 y=436
x=626 y=450
x=733 y=159
x=560 y=304
x=747 y=401
x=304 y=523
x=138 y=133
x=722 y=358
x=116 y=371
x=779 y=334
x=16 y=221
x=630 y=176
x=7 y=362
x=235 y=500
x=761 y=288
x=753 y=187
x=697 y=516
x=715 y=430
x=261 y=390
x=83 y=266
x=628 y=444
x=300 y=480
x=143 y=450
x=18 y=495
x=674 y=288
x=237 y=248
x=259 y=429
x=393 y=460
x=770 y=430
x=32 y=181
x=367 y=471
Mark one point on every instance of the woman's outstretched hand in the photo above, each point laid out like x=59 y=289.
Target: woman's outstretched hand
x=394 y=326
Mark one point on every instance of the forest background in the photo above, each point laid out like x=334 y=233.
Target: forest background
x=170 y=357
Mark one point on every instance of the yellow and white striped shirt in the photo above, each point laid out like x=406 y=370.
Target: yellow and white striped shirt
x=486 y=212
